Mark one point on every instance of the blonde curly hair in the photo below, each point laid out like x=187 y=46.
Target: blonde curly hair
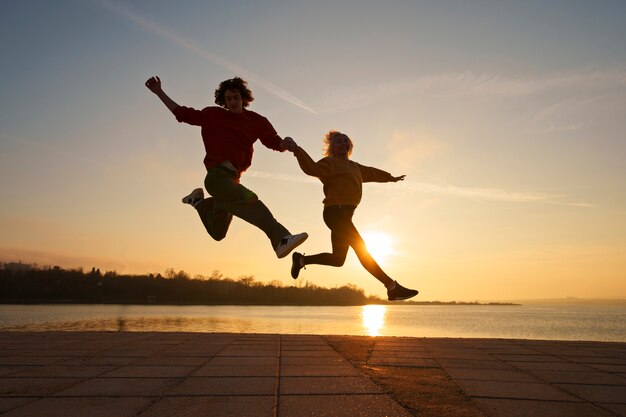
x=328 y=139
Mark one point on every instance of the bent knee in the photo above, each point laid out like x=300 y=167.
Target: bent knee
x=217 y=236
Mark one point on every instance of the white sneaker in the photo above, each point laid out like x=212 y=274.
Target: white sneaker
x=289 y=243
x=195 y=197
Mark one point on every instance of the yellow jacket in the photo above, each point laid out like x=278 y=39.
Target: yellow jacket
x=342 y=178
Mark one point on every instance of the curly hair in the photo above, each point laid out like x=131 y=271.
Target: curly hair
x=235 y=84
x=326 y=150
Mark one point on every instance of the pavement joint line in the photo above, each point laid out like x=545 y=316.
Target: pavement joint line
x=156 y=399
x=277 y=383
x=555 y=385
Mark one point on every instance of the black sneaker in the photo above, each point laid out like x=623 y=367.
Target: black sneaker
x=194 y=197
x=400 y=293
x=296 y=266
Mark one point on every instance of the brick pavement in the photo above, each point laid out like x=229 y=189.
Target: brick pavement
x=197 y=374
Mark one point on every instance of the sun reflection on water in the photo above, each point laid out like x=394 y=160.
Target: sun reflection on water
x=373 y=318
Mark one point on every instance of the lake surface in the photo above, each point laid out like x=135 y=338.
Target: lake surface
x=523 y=322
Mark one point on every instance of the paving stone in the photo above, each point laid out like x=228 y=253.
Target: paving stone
x=528 y=358
x=517 y=390
x=172 y=360
x=68 y=371
x=81 y=407
x=11 y=369
x=7 y=403
x=619 y=409
x=61 y=352
x=473 y=364
x=549 y=366
x=473 y=354
x=310 y=354
x=339 y=405
x=399 y=348
x=29 y=361
x=243 y=360
x=615 y=394
x=608 y=368
x=319 y=348
x=96 y=361
x=250 y=352
x=120 y=387
x=490 y=375
x=400 y=354
x=567 y=351
x=597 y=359
x=236 y=370
x=331 y=361
x=34 y=387
x=327 y=385
x=302 y=370
x=412 y=362
x=222 y=406
x=226 y=386
x=150 y=371
x=530 y=408
x=593 y=378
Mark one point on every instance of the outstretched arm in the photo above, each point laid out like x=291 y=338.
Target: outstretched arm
x=371 y=174
x=307 y=165
x=154 y=85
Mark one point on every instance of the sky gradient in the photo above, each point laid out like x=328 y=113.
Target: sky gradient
x=508 y=119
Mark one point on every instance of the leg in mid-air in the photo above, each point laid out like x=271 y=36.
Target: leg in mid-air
x=344 y=235
x=216 y=222
x=230 y=198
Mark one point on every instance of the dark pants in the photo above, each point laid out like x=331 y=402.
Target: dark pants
x=343 y=235
x=230 y=198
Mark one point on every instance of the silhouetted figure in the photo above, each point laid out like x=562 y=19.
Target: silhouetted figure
x=229 y=132
x=343 y=179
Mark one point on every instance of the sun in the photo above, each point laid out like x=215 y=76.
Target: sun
x=379 y=245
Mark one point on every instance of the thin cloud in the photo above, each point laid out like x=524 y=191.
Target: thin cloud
x=58 y=151
x=282 y=177
x=188 y=44
x=473 y=193
x=477 y=85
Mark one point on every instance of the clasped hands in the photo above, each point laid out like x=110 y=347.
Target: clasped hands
x=289 y=144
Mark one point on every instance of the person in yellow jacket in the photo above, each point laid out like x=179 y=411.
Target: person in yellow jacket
x=342 y=180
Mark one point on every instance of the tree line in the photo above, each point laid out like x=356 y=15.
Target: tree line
x=24 y=283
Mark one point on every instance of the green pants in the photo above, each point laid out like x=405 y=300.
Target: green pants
x=229 y=198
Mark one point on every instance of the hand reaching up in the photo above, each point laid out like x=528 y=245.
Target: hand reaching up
x=400 y=178
x=154 y=84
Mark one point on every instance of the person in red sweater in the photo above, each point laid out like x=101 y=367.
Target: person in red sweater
x=343 y=179
x=229 y=131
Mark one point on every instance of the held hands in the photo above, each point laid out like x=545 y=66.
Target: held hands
x=400 y=178
x=289 y=144
x=154 y=85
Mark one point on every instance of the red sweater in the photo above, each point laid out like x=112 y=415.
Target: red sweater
x=229 y=136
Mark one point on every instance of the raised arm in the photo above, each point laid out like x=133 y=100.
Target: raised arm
x=154 y=85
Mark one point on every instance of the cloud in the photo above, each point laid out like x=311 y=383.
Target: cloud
x=474 y=193
x=469 y=84
x=408 y=149
x=282 y=177
x=58 y=151
x=188 y=44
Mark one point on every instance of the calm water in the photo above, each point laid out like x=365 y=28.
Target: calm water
x=528 y=322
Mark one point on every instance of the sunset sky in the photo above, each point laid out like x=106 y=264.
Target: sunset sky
x=508 y=119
